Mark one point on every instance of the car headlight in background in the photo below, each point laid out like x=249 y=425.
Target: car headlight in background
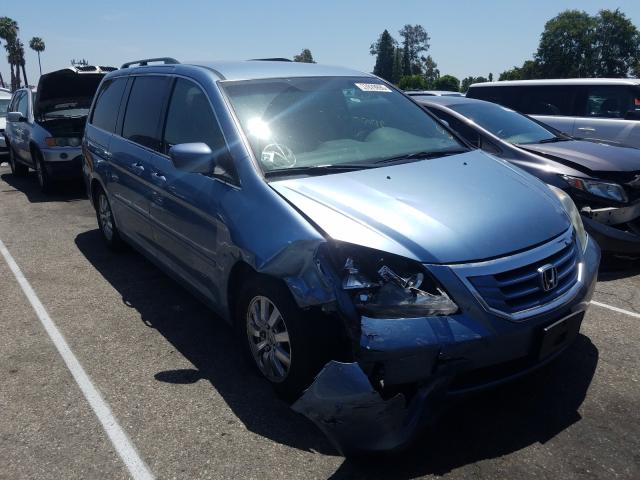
x=611 y=191
x=384 y=285
x=63 y=141
x=574 y=215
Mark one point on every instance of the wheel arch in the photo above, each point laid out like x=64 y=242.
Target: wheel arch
x=34 y=149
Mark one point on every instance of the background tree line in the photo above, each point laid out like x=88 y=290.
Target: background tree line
x=576 y=44
x=572 y=44
x=407 y=64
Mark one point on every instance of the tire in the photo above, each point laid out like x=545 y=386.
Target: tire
x=106 y=222
x=44 y=180
x=17 y=169
x=267 y=345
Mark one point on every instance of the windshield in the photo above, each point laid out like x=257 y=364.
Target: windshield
x=4 y=106
x=327 y=121
x=504 y=123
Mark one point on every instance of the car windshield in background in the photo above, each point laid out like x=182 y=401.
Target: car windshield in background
x=4 y=106
x=334 y=122
x=504 y=123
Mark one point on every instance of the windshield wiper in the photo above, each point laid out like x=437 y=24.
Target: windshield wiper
x=554 y=140
x=426 y=155
x=318 y=169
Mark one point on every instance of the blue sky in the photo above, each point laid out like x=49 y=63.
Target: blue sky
x=467 y=37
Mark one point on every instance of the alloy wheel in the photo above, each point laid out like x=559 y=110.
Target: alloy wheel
x=268 y=339
x=106 y=218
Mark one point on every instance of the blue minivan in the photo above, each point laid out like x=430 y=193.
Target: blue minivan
x=372 y=264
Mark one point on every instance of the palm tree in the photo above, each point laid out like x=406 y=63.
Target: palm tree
x=9 y=33
x=13 y=55
x=2 y=84
x=20 y=50
x=37 y=44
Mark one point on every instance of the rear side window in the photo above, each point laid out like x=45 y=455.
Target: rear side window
x=548 y=99
x=190 y=118
x=610 y=101
x=507 y=96
x=144 y=111
x=530 y=99
x=105 y=113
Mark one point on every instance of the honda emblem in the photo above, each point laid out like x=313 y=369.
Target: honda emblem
x=548 y=275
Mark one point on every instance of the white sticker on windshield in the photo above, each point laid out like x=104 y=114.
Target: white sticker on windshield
x=373 y=87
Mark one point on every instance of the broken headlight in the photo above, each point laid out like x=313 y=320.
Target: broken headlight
x=611 y=191
x=387 y=286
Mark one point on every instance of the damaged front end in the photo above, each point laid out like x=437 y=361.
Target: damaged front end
x=388 y=393
x=610 y=211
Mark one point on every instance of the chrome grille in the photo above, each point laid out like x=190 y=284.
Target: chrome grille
x=520 y=288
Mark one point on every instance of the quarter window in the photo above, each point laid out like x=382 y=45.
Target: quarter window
x=105 y=113
x=144 y=111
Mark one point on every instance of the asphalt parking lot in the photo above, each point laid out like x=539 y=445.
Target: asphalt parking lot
x=170 y=373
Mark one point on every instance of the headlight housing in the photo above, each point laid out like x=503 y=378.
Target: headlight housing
x=610 y=191
x=574 y=215
x=384 y=285
x=63 y=141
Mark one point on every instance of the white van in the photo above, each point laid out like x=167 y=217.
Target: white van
x=593 y=108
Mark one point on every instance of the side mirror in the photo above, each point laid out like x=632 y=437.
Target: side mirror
x=15 y=117
x=192 y=157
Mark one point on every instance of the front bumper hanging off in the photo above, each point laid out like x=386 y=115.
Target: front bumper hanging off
x=355 y=417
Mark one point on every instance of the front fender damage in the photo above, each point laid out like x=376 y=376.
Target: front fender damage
x=353 y=415
x=297 y=265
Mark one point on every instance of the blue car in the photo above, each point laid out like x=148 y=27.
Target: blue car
x=372 y=264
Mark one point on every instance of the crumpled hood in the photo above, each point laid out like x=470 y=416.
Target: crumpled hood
x=595 y=156
x=452 y=209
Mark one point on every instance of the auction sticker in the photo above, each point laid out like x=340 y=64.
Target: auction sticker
x=373 y=87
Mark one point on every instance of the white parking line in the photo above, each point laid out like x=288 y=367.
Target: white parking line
x=616 y=309
x=136 y=466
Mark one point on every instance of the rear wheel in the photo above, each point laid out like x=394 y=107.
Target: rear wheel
x=106 y=223
x=17 y=169
x=277 y=336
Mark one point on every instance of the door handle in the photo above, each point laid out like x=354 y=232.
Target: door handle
x=138 y=167
x=158 y=177
x=586 y=129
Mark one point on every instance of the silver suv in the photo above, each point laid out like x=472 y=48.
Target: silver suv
x=44 y=128
x=591 y=108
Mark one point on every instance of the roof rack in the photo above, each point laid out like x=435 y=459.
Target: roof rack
x=276 y=59
x=144 y=62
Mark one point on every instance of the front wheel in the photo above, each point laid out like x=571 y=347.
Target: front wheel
x=17 y=169
x=44 y=180
x=277 y=336
x=106 y=223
